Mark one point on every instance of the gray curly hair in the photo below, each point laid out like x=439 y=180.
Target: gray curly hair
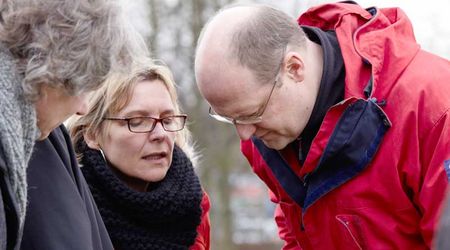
x=68 y=44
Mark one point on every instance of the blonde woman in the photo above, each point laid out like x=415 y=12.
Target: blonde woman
x=136 y=157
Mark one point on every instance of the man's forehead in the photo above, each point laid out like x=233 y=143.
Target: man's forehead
x=229 y=81
x=233 y=99
x=220 y=93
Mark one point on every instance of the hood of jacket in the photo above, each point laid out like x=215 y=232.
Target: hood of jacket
x=381 y=38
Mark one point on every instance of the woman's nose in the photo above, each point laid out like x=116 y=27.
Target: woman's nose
x=158 y=132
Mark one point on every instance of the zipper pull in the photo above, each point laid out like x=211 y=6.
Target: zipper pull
x=381 y=103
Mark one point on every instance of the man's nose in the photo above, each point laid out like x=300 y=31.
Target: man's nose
x=245 y=131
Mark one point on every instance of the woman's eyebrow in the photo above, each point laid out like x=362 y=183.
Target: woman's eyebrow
x=142 y=112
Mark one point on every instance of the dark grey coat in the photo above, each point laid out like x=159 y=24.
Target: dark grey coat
x=61 y=212
x=9 y=218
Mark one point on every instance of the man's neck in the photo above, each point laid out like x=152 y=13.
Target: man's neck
x=314 y=62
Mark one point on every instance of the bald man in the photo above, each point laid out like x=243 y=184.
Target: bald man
x=341 y=114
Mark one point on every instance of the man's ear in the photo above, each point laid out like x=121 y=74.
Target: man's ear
x=91 y=141
x=294 y=66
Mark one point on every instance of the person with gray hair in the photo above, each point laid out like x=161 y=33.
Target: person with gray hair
x=52 y=52
x=343 y=116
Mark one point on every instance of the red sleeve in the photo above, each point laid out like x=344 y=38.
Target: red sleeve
x=435 y=174
x=202 y=242
x=290 y=243
x=259 y=167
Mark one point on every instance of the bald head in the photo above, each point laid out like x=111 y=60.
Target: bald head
x=248 y=36
x=214 y=49
x=220 y=28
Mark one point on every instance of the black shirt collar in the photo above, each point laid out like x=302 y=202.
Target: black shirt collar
x=331 y=89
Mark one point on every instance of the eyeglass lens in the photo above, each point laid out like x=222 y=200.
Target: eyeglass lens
x=147 y=124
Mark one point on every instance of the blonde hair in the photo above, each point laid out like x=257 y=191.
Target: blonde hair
x=71 y=44
x=115 y=95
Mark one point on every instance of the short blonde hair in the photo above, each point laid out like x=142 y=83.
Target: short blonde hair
x=70 y=44
x=115 y=95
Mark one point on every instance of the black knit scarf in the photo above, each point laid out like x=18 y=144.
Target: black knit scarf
x=165 y=217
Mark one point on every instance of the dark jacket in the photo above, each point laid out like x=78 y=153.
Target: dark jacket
x=9 y=220
x=61 y=212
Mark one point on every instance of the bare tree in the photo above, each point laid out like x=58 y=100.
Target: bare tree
x=176 y=26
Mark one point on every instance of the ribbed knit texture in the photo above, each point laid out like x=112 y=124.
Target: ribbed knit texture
x=165 y=217
x=18 y=129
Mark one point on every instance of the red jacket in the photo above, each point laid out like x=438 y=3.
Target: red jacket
x=202 y=242
x=375 y=176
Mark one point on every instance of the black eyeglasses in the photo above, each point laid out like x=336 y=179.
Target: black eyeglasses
x=146 y=124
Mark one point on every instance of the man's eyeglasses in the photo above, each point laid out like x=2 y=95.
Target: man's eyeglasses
x=145 y=124
x=245 y=120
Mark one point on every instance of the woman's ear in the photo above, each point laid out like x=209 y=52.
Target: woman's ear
x=91 y=141
x=294 y=67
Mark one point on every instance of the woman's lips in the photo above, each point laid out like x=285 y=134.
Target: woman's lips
x=155 y=156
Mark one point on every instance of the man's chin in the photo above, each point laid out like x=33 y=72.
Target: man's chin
x=275 y=144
